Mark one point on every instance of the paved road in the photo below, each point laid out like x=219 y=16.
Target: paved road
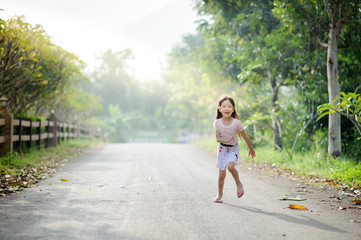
x=155 y=191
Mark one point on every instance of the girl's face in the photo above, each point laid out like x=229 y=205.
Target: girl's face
x=226 y=108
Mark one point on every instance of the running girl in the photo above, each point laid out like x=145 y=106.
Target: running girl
x=228 y=128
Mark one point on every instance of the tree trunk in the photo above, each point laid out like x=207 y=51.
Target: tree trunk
x=334 y=119
x=275 y=109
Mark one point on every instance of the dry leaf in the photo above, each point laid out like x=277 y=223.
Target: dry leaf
x=356 y=221
x=342 y=207
x=298 y=198
x=294 y=206
x=64 y=180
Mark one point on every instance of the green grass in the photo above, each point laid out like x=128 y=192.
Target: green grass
x=18 y=162
x=310 y=163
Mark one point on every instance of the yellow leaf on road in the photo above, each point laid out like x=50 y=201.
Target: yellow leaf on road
x=295 y=206
x=64 y=180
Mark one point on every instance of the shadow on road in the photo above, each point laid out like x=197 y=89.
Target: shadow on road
x=304 y=220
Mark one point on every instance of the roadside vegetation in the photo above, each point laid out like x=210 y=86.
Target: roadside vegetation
x=311 y=164
x=20 y=170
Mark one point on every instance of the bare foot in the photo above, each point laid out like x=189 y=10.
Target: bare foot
x=217 y=199
x=240 y=191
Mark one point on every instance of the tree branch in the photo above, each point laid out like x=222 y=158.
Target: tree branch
x=279 y=85
x=322 y=44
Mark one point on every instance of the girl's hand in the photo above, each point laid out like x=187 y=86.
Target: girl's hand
x=252 y=153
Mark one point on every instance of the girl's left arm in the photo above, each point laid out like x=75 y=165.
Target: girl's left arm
x=251 y=152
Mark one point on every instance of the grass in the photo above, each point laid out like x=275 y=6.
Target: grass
x=310 y=163
x=17 y=163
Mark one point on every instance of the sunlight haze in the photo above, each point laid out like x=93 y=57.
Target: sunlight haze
x=88 y=27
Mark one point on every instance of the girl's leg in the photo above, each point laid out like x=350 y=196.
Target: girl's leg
x=222 y=176
x=232 y=169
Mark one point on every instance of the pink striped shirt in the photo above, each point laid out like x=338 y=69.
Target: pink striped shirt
x=229 y=132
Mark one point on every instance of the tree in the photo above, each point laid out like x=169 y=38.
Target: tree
x=36 y=75
x=191 y=95
x=113 y=82
x=326 y=20
x=253 y=46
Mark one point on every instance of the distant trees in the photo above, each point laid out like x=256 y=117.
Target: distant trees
x=128 y=103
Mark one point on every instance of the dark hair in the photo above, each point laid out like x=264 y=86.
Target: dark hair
x=221 y=100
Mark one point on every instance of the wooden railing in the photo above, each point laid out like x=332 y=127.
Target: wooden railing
x=16 y=134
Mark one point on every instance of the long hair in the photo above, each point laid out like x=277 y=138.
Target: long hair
x=234 y=114
x=220 y=101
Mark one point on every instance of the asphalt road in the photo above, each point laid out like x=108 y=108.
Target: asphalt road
x=155 y=191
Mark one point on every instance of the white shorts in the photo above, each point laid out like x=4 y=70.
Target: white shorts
x=226 y=155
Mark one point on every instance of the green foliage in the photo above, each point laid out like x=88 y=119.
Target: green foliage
x=334 y=27
x=344 y=171
x=312 y=162
x=37 y=76
x=192 y=93
x=18 y=162
x=348 y=105
x=117 y=122
x=271 y=46
x=127 y=102
x=112 y=82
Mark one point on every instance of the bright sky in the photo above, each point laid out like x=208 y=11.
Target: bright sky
x=87 y=27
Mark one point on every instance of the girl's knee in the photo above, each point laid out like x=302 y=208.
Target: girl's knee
x=231 y=167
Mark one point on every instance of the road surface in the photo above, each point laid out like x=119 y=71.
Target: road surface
x=155 y=191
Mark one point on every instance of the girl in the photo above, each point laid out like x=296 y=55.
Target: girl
x=228 y=126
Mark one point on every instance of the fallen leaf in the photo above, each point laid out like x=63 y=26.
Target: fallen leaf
x=293 y=199
x=347 y=194
x=356 y=221
x=64 y=180
x=299 y=207
x=342 y=207
x=356 y=201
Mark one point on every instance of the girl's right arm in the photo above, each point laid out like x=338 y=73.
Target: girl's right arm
x=251 y=152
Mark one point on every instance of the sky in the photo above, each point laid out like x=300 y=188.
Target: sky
x=88 y=27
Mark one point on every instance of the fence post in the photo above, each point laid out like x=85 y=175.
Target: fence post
x=53 y=142
x=47 y=131
x=6 y=129
x=66 y=130
x=38 y=131
x=77 y=129
x=61 y=139
x=60 y=130
x=20 y=133
x=30 y=132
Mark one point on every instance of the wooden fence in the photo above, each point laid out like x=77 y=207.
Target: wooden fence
x=20 y=133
